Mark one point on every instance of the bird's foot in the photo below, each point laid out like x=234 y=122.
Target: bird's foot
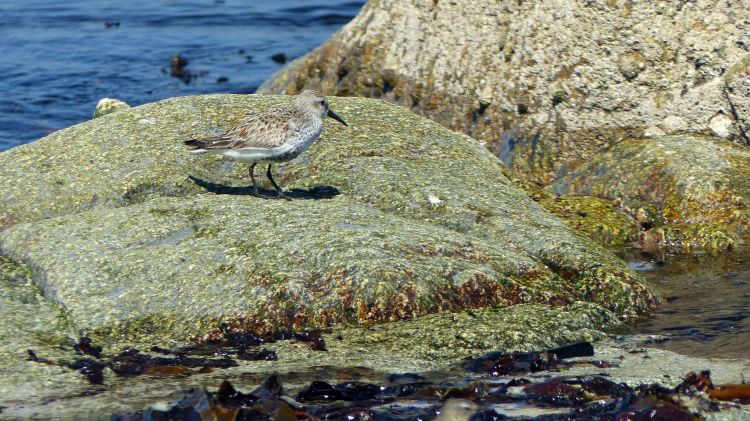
x=281 y=195
x=256 y=193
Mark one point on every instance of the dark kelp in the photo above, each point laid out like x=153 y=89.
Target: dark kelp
x=196 y=359
x=584 y=398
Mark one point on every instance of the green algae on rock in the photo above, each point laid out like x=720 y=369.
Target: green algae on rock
x=597 y=218
x=545 y=84
x=426 y=221
x=29 y=321
x=450 y=337
x=689 y=193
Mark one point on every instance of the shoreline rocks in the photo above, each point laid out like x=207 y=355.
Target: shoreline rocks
x=596 y=218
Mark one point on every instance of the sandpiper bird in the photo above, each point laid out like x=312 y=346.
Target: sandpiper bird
x=275 y=135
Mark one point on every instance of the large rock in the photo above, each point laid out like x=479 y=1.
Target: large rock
x=425 y=221
x=688 y=193
x=545 y=83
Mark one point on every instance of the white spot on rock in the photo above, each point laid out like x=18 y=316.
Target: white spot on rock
x=434 y=200
x=653 y=131
x=674 y=124
x=147 y=121
x=720 y=125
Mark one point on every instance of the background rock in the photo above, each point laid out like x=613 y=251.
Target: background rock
x=545 y=84
x=424 y=220
x=109 y=105
x=688 y=193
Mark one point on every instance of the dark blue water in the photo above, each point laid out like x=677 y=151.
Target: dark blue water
x=59 y=57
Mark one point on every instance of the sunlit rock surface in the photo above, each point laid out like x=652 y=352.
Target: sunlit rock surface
x=394 y=217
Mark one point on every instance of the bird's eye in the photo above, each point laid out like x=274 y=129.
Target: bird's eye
x=323 y=103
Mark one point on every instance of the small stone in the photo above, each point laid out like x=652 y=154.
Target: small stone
x=720 y=125
x=631 y=65
x=485 y=97
x=108 y=106
x=559 y=92
x=280 y=58
x=178 y=65
x=457 y=410
x=653 y=131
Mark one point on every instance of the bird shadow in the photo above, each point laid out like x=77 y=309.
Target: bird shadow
x=313 y=193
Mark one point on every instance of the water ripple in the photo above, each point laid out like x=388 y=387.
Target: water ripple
x=59 y=58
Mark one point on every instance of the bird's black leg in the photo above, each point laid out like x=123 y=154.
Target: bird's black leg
x=252 y=177
x=280 y=193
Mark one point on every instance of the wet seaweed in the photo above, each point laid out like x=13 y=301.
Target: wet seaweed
x=503 y=364
x=91 y=369
x=319 y=391
x=492 y=384
x=219 y=352
x=84 y=346
x=584 y=398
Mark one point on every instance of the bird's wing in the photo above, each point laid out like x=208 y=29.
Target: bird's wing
x=265 y=130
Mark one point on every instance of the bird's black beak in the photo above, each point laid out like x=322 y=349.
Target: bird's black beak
x=337 y=118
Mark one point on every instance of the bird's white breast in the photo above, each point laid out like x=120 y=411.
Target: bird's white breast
x=253 y=154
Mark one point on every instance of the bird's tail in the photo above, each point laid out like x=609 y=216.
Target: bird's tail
x=198 y=145
x=217 y=142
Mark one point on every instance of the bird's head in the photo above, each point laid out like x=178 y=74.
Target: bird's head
x=316 y=103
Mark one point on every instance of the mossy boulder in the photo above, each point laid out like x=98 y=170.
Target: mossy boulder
x=403 y=218
x=688 y=193
x=545 y=84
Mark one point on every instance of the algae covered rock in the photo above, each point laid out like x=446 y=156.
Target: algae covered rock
x=412 y=219
x=596 y=218
x=545 y=84
x=688 y=193
x=29 y=321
